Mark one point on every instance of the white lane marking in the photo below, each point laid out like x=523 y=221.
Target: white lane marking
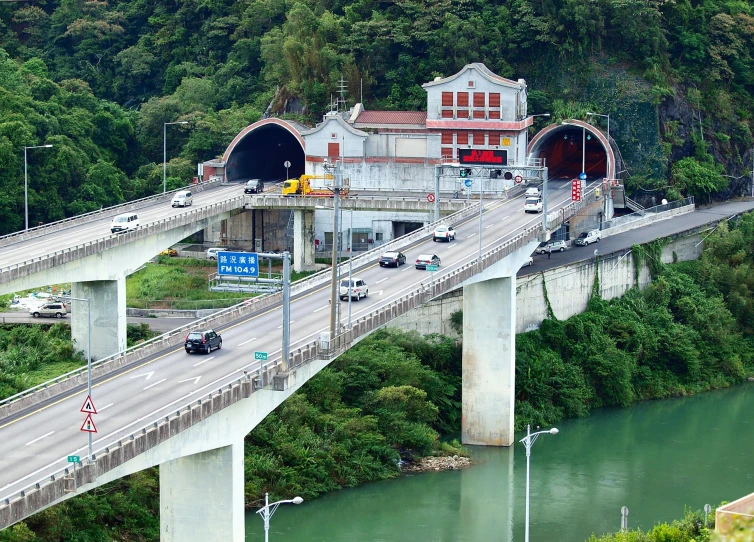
x=247 y=342
x=39 y=438
x=407 y=269
x=505 y=217
x=158 y=382
x=321 y=308
x=378 y=292
x=204 y=361
x=488 y=227
x=196 y=380
x=381 y=280
x=281 y=325
x=470 y=236
x=104 y=407
x=148 y=375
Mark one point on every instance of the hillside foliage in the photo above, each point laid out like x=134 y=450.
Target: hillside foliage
x=98 y=79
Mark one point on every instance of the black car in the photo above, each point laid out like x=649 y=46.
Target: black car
x=392 y=258
x=203 y=341
x=254 y=186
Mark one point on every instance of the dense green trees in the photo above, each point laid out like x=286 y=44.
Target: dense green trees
x=65 y=64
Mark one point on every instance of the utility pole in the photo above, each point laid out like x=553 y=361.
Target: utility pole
x=286 y=309
x=336 y=188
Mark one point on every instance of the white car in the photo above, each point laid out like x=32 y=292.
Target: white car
x=586 y=237
x=124 y=223
x=359 y=289
x=444 y=233
x=212 y=253
x=555 y=246
x=533 y=193
x=529 y=262
x=182 y=199
x=533 y=205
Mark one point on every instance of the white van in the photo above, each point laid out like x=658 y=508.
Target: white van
x=586 y=237
x=182 y=199
x=125 y=222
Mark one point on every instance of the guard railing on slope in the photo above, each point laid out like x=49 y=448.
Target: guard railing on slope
x=51 y=488
x=73 y=379
x=101 y=213
x=82 y=250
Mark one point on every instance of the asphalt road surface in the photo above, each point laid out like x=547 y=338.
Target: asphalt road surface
x=35 y=443
x=157 y=324
x=624 y=241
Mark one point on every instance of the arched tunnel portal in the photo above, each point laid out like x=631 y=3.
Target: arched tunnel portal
x=562 y=146
x=261 y=149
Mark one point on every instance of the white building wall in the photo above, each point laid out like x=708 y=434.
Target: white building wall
x=376 y=221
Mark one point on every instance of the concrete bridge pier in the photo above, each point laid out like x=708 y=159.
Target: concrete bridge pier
x=108 y=306
x=202 y=496
x=489 y=362
x=303 y=240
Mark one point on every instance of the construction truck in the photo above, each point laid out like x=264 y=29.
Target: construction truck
x=313 y=186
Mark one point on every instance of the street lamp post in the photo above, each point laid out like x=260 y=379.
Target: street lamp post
x=165 y=152
x=268 y=509
x=336 y=189
x=26 y=184
x=608 y=134
x=528 y=441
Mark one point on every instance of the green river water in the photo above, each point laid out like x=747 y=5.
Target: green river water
x=655 y=458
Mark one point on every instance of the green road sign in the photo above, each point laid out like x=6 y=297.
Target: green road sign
x=261 y=356
x=431 y=268
x=74 y=459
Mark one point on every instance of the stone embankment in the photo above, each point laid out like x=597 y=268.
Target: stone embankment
x=429 y=464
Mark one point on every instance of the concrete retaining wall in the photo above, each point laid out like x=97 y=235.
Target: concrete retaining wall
x=648 y=219
x=735 y=515
x=568 y=288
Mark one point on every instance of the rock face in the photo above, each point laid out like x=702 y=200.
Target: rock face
x=428 y=464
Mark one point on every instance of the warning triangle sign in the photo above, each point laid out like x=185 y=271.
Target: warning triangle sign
x=88 y=425
x=88 y=406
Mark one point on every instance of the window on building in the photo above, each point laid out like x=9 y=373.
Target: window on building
x=447 y=99
x=462 y=138
x=333 y=150
x=479 y=114
x=494 y=99
x=447 y=113
x=447 y=153
x=494 y=114
x=446 y=138
x=462 y=99
x=378 y=236
x=478 y=138
x=479 y=99
x=462 y=114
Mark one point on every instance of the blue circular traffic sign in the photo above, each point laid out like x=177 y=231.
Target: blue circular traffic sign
x=582 y=176
x=468 y=183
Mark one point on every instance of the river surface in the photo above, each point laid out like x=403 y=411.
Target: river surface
x=655 y=458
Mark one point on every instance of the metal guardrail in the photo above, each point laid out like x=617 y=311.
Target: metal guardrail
x=312 y=351
x=638 y=215
x=107 y=211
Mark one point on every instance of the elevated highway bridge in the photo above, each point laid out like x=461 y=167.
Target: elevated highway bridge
x=190 y=413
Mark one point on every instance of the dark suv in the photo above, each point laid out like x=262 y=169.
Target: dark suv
x=254 y=186
x=203 y=341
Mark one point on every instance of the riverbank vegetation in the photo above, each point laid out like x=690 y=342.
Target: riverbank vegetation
x=691 y=528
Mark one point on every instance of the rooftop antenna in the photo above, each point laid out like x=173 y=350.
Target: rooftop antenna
x=342 y=91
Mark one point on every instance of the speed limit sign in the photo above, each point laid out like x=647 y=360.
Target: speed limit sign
x=518 y=179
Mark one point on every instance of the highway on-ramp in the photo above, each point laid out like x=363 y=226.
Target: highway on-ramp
x=35 y=443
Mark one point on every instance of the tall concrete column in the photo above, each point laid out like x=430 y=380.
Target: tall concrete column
x=489 y=362
x=303 y=240
x=108 y=301
x=201 y=496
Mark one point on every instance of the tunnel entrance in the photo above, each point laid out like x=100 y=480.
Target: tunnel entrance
x=261 y=150
x=562 y=146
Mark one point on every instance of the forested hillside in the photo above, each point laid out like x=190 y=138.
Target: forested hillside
x=676 y=76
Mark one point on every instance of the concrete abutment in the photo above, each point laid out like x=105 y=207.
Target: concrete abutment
x=303 y=240
x=108 y=306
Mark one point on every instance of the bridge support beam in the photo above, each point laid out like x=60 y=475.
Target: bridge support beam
x=489 y=362
x=201 y=496
x=303 y=240
x=108 y=306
